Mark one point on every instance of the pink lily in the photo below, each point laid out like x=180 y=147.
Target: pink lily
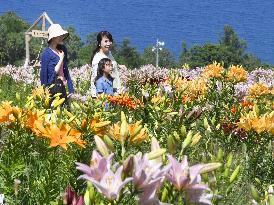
x=71 y=197
x=147 y=171
x=111 y=183
x=98 y=167
x=148 y=195
x=188 y=178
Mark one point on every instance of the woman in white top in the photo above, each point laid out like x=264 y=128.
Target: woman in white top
x=102 y=50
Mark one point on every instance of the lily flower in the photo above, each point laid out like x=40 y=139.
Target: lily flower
x=98 y=167
x=99 y=127
x=147 y=171
x=148 y=195
x=111 y=183
x=188 y=178
x=62 y=135
x=135 y=132
x=71 y=197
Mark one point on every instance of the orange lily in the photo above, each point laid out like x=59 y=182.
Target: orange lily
x=236 y=73
x=9 y=113
x=136 y=132
x=61 y=136
x=99 y=127
x=213 y=70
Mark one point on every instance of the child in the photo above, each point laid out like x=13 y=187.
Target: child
x=103 y=50
x=103 y=80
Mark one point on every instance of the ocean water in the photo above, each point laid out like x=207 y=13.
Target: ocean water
x=173 y=21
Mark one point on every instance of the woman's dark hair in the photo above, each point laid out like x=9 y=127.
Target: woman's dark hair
x=100 y=36
x=101 y=66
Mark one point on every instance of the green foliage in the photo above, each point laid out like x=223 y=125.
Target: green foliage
x=127 y=55
x=74 y=44
x=230 y=50
x=86 y=50
x=9 y=89
x=12 y=29
x=166 y=58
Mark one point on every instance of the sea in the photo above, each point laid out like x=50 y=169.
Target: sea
x=173 y=22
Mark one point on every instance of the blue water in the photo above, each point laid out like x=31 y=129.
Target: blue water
x=172 y=21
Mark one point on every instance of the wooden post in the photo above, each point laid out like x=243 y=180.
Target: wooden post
x=44 y=23
x=36 y=33
x=27 y=39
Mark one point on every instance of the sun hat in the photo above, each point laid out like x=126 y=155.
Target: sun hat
x=56 y=30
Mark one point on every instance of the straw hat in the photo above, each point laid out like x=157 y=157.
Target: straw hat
x=56 y=30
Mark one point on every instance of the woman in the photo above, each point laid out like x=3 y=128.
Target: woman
x=54 y=68
x=102 y=50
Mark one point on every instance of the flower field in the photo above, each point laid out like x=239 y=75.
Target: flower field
x=174 y=136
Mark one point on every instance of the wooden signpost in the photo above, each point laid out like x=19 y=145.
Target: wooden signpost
x=31 y=32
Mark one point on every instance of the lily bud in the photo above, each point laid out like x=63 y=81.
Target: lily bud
x=226 y=172
x=171 y=145
x=210 y=167
x=196 y=138
x=234 y=174
x=57 y=103
x=87 y=198
x=187 y=139
x=206 y=125
x=156 y=153
x=46 y=102
x=123 y=116
x=176 y=136
x=71 y=119
x=213 y=120
x=109 y=143
x=255 y=194
x=154 y=144
x=83 y=106
x=229 y=160
x=220 y=155
x=102 y=124
x=76 y=105
x=128 y=165
x=136 y=131
x=124 y=130
x=183 y=131
x=101 y=146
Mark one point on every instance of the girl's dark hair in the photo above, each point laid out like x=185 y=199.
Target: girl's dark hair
x=100 y=36
x=101 y=66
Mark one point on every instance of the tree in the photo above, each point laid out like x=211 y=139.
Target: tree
x=166 y=59
x=12 y=49
x=230 y=50
x=127 y=55
x=231 y=40
x=87 y=49
x=74 y=44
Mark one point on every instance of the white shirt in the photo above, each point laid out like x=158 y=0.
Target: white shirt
x=115 y=73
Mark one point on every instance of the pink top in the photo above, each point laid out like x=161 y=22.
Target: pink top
x=61 y=74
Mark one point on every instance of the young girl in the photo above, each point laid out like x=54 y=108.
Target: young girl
x=54 y=68
x=103 y=50
x=104 y=80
